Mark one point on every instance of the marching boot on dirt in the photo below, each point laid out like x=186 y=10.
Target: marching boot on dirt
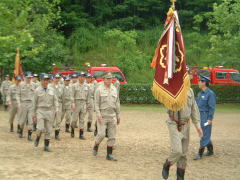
x=67 y=111
x=58 y=90
x=107 y=106
x=179 y=132
x=45 y=105
x=206 y=102
x=4 y=90
x=12 y=101
x=80 y=102
x=24 y=98
x=90 y=109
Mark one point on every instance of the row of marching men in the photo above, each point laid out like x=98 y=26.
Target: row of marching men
x=43 y=106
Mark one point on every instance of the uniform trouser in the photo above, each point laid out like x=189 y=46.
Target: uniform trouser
x=25 y=114
x=207 y=130
x=13 y=111
x=45 y=122
x=179 y=144
x=90 y=111
x=58 y=118
x=4 y=98
x=67 y=113
x=79 y=112
x=109 y=123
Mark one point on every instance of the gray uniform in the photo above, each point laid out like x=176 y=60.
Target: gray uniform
x=11 y=100
x=58 y=90
x=45 y=105
x=4 y=90
x=80 y=99
x=107 y=106
x=24 y=98
x=90 y=108
x=66 y=110
x=179 y=130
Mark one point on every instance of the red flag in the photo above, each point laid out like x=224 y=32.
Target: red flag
x=171 y=82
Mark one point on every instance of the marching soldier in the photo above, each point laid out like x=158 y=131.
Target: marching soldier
x=206 y=101
x=12 y=101
x=35 y=81
x=80 y=103
x=24 y=99
x=90 y=109
x=179 y=132
x=108 y=115
x=45 y=105
x=67 y=111
x=58 y=90
x=4 y=90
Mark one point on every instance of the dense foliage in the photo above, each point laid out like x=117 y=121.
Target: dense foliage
x=115 y=32
x=142 y=94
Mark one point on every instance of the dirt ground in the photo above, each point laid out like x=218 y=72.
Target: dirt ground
x=142 y=147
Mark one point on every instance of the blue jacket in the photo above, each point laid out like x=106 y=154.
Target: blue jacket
x=206 y=101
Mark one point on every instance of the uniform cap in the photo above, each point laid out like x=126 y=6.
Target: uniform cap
x=66 y=78
x=204 y=78
x=28 y=75
x=19 y=78
x=108 y=76
x=35 y=75
x=82 y=74
x=57 y=75
x=45 y=76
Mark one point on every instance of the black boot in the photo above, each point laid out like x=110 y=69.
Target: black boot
x=95 y=149
x=29 y=135
x=106 y=135
x=20 y=134
x=46 y=145
x=165 y=170
x=34 y=127
x=37 y=141
x=89 y=124
x=11 y=127
x=210 y=150
x=199 y=154
x=57 y=135
x=72 y=132
x=67 y=128
x=81 y=136
x=5 y=107
x=180 y=174
x=18 y=128
x=95 y=131
x=110 y=157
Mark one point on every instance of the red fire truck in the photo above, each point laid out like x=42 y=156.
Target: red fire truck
x=218 y=75
x=96 y=71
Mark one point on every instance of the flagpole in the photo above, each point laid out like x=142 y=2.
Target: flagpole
x=173 y=3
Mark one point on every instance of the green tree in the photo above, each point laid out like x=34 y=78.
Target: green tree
x=29 y=26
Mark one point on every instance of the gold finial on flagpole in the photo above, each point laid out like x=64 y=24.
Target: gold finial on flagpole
x=173 y=3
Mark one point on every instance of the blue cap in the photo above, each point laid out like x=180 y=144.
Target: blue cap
x=28 y=75
x=82 y=73
x=94 y=76
x=74 y=75
x=66 y=78
x=88 y=75
x=19 y=78
x=57 y=75
x=45 y=76
x=204 y=78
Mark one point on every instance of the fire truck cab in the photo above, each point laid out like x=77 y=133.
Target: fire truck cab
x=100 y=71
x=218 y=75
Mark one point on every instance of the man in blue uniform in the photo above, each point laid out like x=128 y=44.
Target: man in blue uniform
x=206 y=102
